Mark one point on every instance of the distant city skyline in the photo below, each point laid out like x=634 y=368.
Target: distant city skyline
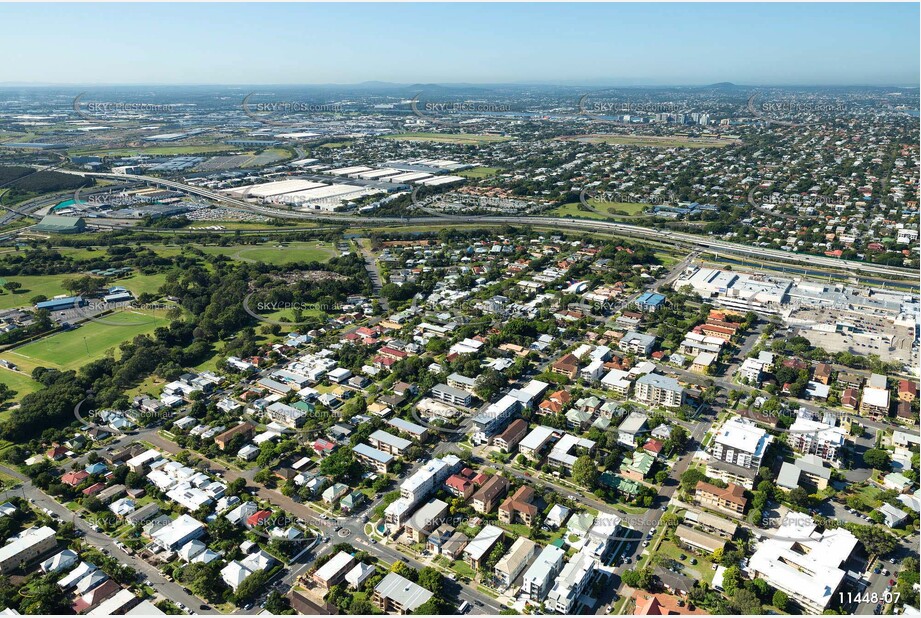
x=840 y=44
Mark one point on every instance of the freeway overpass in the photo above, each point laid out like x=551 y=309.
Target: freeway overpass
x=701 y=243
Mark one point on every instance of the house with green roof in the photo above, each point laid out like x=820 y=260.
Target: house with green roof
x=639 y=468
x=624 y=487
x=351 y=502
x=576 y=418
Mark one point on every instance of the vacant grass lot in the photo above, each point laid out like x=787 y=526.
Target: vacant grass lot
x=277 y=253
x=479 y=172
x=91 y=340
x=468 y=139
x=615 y=210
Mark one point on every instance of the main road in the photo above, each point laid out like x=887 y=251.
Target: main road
x=701 y=243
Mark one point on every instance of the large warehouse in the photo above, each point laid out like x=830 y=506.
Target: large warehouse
x=59 y=224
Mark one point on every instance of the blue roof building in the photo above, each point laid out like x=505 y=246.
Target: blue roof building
x=650 y=301
x=57 y=304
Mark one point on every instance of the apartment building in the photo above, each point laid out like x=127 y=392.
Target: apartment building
x=659 y=391
x=637 y=343
x=397 y=595
x=511 y=565
x=512 y=435
x=488 y=496
x=388 y=442
x=730 y=500
x=533 y=443
x=519 y=507
x=373 y=457
x=816 y=438
x=570 y=584
x=540 y=575
x=808 y=566
x=25 y=547
x=478 y=550
x=451 y=395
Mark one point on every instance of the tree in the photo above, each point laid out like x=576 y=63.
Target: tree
x=489 y=383
x=641 y=578
x=584 y=472
x=401 y=568
x=780 y=600
x=278 y=604
x=798 y=496
x=45 y=598
x=877 y=541
x=432 y=607
x=251 y=587
x=359 y=607
x=12 y=286
x=431 y=579
x=690 y=478
x=877 y=459
x=746 y=602
x=732 y=578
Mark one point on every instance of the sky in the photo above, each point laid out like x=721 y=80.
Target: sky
x=592 y=44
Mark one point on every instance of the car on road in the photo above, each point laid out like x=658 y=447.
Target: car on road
x=892 y=582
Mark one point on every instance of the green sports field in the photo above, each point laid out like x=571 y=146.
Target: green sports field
x=277 y=253
x=22 y=384
x=89 y=341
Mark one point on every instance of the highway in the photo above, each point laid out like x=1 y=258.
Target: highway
x=701 y=243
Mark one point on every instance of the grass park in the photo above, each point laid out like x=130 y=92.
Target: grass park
x=276 y=252
x=616 y=210
x=479 y=172
x=19 y=382
x=91 y=340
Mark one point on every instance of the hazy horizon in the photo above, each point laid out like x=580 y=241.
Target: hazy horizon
x=614 y=45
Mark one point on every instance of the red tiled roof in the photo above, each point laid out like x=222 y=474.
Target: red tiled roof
x=258 y=517
x=74 y=478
